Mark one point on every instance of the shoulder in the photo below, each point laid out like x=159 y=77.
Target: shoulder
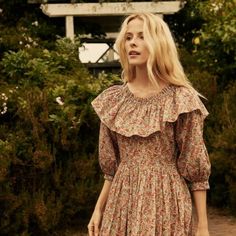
x=108 y=94
x=184 y=100
x=111 y=90
x=184 y=92
x=107 y=103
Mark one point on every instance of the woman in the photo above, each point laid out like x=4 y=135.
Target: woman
x=151 y=148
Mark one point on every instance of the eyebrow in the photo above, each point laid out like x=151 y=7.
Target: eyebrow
x=141 y=32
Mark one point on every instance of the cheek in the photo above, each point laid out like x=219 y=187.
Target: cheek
x=145 y=49
x=126 y=47
x=125 y=52
x=146 y=52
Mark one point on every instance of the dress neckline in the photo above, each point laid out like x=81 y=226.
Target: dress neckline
x=128 y=115
x=164 y=91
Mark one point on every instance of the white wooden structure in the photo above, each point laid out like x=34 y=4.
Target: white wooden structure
x=109 y=15
x=69 y=10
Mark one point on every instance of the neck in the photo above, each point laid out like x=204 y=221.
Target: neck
x=141 y=81
x=141 y=78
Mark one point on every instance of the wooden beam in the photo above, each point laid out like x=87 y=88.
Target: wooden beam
x=70 y=27
x=110 y=8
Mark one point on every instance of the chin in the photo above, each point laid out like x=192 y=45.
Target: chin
x=138 y=63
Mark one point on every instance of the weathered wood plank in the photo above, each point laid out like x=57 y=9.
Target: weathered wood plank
x=110 y=9
x=70 y=27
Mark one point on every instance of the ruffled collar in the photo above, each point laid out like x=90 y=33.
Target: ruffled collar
x=148 y=99
x=123 y=112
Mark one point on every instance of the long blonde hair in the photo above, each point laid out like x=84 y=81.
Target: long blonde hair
x=163 y=62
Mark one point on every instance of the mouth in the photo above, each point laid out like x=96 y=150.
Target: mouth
x=134 y=53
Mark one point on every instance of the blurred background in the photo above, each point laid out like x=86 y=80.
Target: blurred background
x=49 y=173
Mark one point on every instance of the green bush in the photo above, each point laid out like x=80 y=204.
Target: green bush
x=220 y=131
x=223 y=156
x=49 y=174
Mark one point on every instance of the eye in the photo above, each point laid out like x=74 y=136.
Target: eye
x=141 y=36
x=128 y=37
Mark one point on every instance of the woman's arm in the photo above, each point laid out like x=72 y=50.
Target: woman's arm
x=101 y=202
x=199 y=198
x=95 y=221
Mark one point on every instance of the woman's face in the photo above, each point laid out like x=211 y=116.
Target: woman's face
x=135 y=45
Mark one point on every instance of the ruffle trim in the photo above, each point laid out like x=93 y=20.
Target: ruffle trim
x=124 y=113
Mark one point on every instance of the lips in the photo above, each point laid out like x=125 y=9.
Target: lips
x=134 y=53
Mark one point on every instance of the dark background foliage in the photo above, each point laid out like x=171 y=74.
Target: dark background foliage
x=49 y=174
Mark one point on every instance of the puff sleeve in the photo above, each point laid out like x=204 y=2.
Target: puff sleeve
x=108 y=152
x=193 y=160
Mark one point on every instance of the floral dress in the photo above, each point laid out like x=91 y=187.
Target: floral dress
x=152 y=150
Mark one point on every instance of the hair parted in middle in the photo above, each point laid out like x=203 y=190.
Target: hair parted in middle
x=163 y=62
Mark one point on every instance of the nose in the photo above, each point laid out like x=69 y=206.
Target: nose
x=133 y=42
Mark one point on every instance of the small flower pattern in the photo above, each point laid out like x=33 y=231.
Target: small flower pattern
x=152 y=150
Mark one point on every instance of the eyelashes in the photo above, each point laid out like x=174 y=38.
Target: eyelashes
x=130 y=37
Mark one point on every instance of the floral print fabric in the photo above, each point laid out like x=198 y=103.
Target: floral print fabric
x=152 y=150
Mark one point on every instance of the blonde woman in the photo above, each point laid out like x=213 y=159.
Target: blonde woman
x=151 y=148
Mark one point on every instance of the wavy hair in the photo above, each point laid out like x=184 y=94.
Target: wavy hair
x=163 y=62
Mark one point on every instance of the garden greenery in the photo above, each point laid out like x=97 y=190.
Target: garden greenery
x=48 y=139
x=49 y=173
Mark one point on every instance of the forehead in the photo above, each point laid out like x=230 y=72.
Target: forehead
x=135 y=25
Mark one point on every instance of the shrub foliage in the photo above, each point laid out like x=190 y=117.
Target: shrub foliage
x=49 y=174
x=48 y=139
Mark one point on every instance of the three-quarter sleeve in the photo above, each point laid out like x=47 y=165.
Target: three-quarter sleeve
x=193 y=160
x=108 y=152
